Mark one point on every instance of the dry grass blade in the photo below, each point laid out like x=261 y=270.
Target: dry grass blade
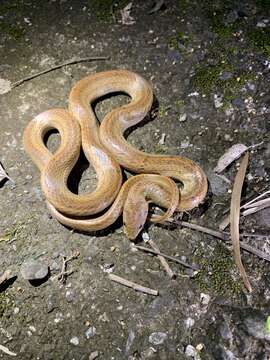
x=234 y=218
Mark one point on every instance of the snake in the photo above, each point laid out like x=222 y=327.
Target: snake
x=107 y=150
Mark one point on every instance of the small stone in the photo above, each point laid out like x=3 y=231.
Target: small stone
x=74 y=340
x=191 y=351
x=16 y=310
x=91 y=332
x=93 y=355
x=54 y=266
x=238 y=102
x=145 y=236
x=218 y=101
x=189 y=322
x=231 y=17
x=183 y=117
x=33 y=270
x=204 y=298
x=261 y=24
x=70 y=295
x=226 y=75
x=157 y=338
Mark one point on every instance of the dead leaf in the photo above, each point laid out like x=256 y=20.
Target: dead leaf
x=234 y=218
x=5 y=86
x=157 y=6
x=230 y=155
x=126 y=18
x=3 y=174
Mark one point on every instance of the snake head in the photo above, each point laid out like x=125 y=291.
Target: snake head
x=134 y=216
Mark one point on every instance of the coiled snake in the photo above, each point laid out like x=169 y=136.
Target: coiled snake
x=107 y=150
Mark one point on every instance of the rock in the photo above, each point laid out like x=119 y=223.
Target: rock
x=70 y=295
x=226 y=75
x=157 y=338
x=34 y=270
x=74 y=340
x=93 y=355
x=231 y=17
x=90 y=332
x=238 y=102
x=218 y=185
x=218 y=101
x=190 y=351
x=182 y=117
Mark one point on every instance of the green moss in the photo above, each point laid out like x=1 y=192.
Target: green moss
x=15 y=32
x=180 y=41
x=104 y=10
x=263 y=4
x=6 y=302
x=215 y=274
x=159 y=149
x=217 y=24
x=162 y=110
x=260 y=38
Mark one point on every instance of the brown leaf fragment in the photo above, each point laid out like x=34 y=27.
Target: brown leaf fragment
x=230 y=155
x=234 y=218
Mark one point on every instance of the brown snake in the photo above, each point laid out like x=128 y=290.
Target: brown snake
x=106 y=149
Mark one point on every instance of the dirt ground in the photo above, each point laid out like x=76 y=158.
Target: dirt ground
x=208 y=63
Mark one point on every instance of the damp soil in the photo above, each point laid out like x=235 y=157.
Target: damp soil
x=208 y=63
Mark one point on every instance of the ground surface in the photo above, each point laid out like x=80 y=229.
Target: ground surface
x=209 y=66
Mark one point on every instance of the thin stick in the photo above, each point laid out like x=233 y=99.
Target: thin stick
x=235 y=217
x=226 y=221
x=173 y=258
x=69 y=62
x=64 y=273
x=162 y=260
x=7 y=351
x=133 y=285
x=223 y=236
x=253 y=210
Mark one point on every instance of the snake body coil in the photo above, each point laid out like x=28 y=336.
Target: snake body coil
x=106 y=149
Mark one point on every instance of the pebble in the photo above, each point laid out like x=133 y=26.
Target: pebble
x=183 y=117
x=226 y=75
x=157 y=338
x=190 y=351
x=74 y=340
x=33 y=270
x=238 y=102
x=93 y=355
x=91 y=332
x=218 y=101
x=70 y=295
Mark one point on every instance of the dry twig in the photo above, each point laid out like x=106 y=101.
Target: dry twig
x=133 y=285
x=235 y=216
x=7 y=351
x=69 y=62
x=173 y=258
x=64 y=273
x=162 y=259
x=225 y=237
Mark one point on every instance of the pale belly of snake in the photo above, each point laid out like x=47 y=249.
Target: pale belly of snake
x=107 y=151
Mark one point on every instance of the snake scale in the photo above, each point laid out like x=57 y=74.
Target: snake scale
x=107 y=150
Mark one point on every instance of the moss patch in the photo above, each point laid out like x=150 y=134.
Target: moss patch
x=216 y=272
x=260 y=38
x=180 y=41
x=6 y=303
x=105 y=10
